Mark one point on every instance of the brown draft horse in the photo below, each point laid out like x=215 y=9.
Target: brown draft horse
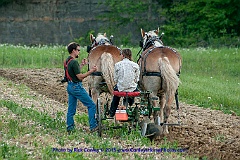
x=104 y=55
x=159 y=69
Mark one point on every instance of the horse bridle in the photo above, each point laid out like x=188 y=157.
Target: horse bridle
x=101 y=42
x=150 y=41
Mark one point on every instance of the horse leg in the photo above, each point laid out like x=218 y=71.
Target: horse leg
x=95 y=94
x=162 y=103
x=156 y=114
x=167 y=112
x=152 y=84
x=154 y=103
x=94 y=87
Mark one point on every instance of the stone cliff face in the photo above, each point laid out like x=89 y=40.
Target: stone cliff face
x=49 y=21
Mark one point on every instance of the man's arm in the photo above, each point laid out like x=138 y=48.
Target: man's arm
x=81 y=76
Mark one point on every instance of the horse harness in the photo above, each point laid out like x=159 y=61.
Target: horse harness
x=151 y=41
x=101 y=42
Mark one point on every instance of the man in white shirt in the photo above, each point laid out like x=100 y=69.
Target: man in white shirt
x=126 y=76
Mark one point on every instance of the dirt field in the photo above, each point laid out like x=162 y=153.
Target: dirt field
x=203 y=132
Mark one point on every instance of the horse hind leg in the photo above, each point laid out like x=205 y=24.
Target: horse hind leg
x=167 y=112
x=94 y=87
x=154 y=103
x=162 y=104
x=159 y=115
x=157 y=103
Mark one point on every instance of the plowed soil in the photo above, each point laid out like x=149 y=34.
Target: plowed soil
x=203 y=132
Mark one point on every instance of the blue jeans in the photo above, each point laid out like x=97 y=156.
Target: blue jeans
x=75 y=92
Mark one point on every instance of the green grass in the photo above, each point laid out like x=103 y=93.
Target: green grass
x=31 y=57
x=12 y=152
x=210 y=77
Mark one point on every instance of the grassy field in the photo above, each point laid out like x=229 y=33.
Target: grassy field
x=28 y=132
x=210 y=77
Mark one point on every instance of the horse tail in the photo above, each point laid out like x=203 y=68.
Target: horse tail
x=169 y=76
x=107 y=67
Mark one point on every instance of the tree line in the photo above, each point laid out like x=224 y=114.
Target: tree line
x=187 y=23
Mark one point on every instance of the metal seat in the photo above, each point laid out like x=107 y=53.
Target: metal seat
x=126 y=94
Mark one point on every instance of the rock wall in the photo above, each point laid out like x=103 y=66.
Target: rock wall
x=49 y=21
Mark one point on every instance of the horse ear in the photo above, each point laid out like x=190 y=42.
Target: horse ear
x=142 y=32
x=105 y=35
x=157 y=31
x=91 y=38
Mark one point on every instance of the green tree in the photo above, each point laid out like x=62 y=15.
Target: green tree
x=126 y=17
x=197 y=22
x=184 y=22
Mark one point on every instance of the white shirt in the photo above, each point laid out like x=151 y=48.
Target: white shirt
x=126 y=75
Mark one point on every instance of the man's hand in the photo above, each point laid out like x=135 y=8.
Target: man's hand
x=93 y=69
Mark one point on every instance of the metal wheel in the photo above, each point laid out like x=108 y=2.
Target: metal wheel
x=99 y=117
